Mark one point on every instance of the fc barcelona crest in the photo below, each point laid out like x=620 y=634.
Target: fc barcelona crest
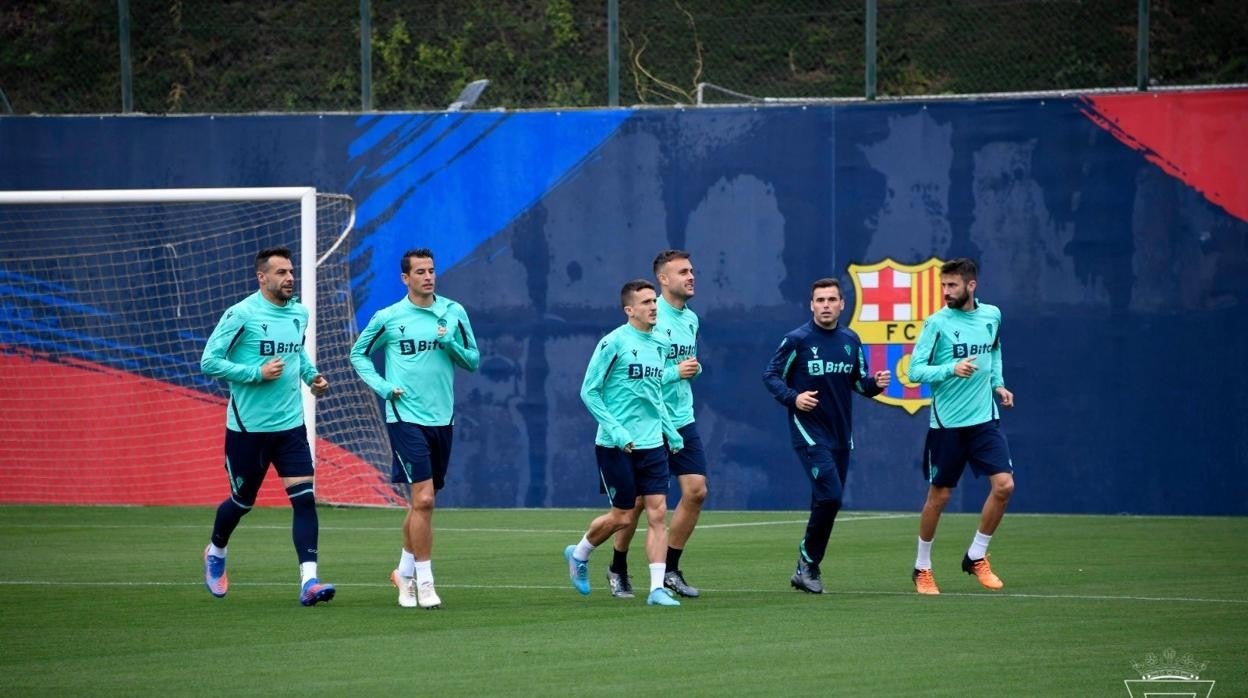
x=893 y=301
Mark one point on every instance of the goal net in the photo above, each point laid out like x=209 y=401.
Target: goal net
x=104 y=311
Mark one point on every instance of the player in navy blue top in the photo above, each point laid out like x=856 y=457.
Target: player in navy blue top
x=812 y=373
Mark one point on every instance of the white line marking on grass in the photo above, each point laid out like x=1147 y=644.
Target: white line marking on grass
x=564 y=587
x=445 y=529
x=286 y=527
x=843 y=519
x=998 y=595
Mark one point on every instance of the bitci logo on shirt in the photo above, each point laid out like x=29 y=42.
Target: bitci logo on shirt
x=270 y=348
x=639 y=371
x=819 y=368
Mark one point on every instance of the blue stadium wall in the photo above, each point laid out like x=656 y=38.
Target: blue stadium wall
x=1111 y=233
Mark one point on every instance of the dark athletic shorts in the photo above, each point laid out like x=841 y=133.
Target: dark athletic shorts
x=947 y=452
x=249 y=453
x=627 y=476
x=690 y=460
x=420 y=453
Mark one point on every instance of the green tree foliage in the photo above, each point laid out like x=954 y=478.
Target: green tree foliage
x=62 y=56
x=536 y=53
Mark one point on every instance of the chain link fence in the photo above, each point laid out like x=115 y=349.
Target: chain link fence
x=535 y=53
x=59 y=57
x=1198 y=43
x=66 y=56
x=772 y=48
x=931 y=48
x=192 y=56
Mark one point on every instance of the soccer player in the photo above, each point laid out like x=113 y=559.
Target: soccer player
x=425 y=336
x=959 y=354
x=257 y=347
x=812 y=373
x=623 y=390
x=677 y=328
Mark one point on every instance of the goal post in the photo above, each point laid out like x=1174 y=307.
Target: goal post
x=112 y=293
x=306 y=196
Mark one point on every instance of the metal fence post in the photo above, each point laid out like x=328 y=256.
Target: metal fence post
x=123 y=40
x=1141 y=47
x=613 y=53
x=870 y=49
x=366 y=55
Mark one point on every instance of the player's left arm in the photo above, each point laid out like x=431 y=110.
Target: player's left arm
x=1004 y=396
x=865 y=382
x=675 y=441
x=697 y=330
x=685 y=370
x=307 y=370
x=460 y=342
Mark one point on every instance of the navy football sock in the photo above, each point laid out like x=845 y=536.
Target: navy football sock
x=673 y=558
x=304 y=526
x=228 y=516
x=619 y=561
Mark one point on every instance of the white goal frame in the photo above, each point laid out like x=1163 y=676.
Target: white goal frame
x=306 y=196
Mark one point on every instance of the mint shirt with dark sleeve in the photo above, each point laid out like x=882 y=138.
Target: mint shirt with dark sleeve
x=830 y=362
x=251 y=333
x=949 y=336
x=418 y=361
x=623 y=390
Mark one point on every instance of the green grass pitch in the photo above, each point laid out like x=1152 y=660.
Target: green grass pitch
x=110 y=601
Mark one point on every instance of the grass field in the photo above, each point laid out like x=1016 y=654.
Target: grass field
x=110 y=601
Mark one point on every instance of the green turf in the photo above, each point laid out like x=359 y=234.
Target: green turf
x=110 y=601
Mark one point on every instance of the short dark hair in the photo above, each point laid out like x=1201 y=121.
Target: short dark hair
x=666 y=256
x=262 y=257
x=825 y=282
x=406 y=263
x=626 y=293
x=961 y=266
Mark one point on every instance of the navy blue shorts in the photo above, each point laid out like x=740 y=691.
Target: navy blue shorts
x=947 y=451
x=826 y=469
x=627 y=476
x=690 y=460
x=249 y=453
x=420 y=453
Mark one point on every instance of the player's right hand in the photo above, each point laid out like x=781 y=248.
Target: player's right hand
x=628 y=447
x=396 y=393
x=966 y=367
x=806 y=401
x=272 y=369
x=620 y=437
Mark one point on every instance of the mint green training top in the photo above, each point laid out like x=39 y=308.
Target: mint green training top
x=623 y=390
x=418 y=361
x=250 y=334
x=678 y=329
x=949 y=336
